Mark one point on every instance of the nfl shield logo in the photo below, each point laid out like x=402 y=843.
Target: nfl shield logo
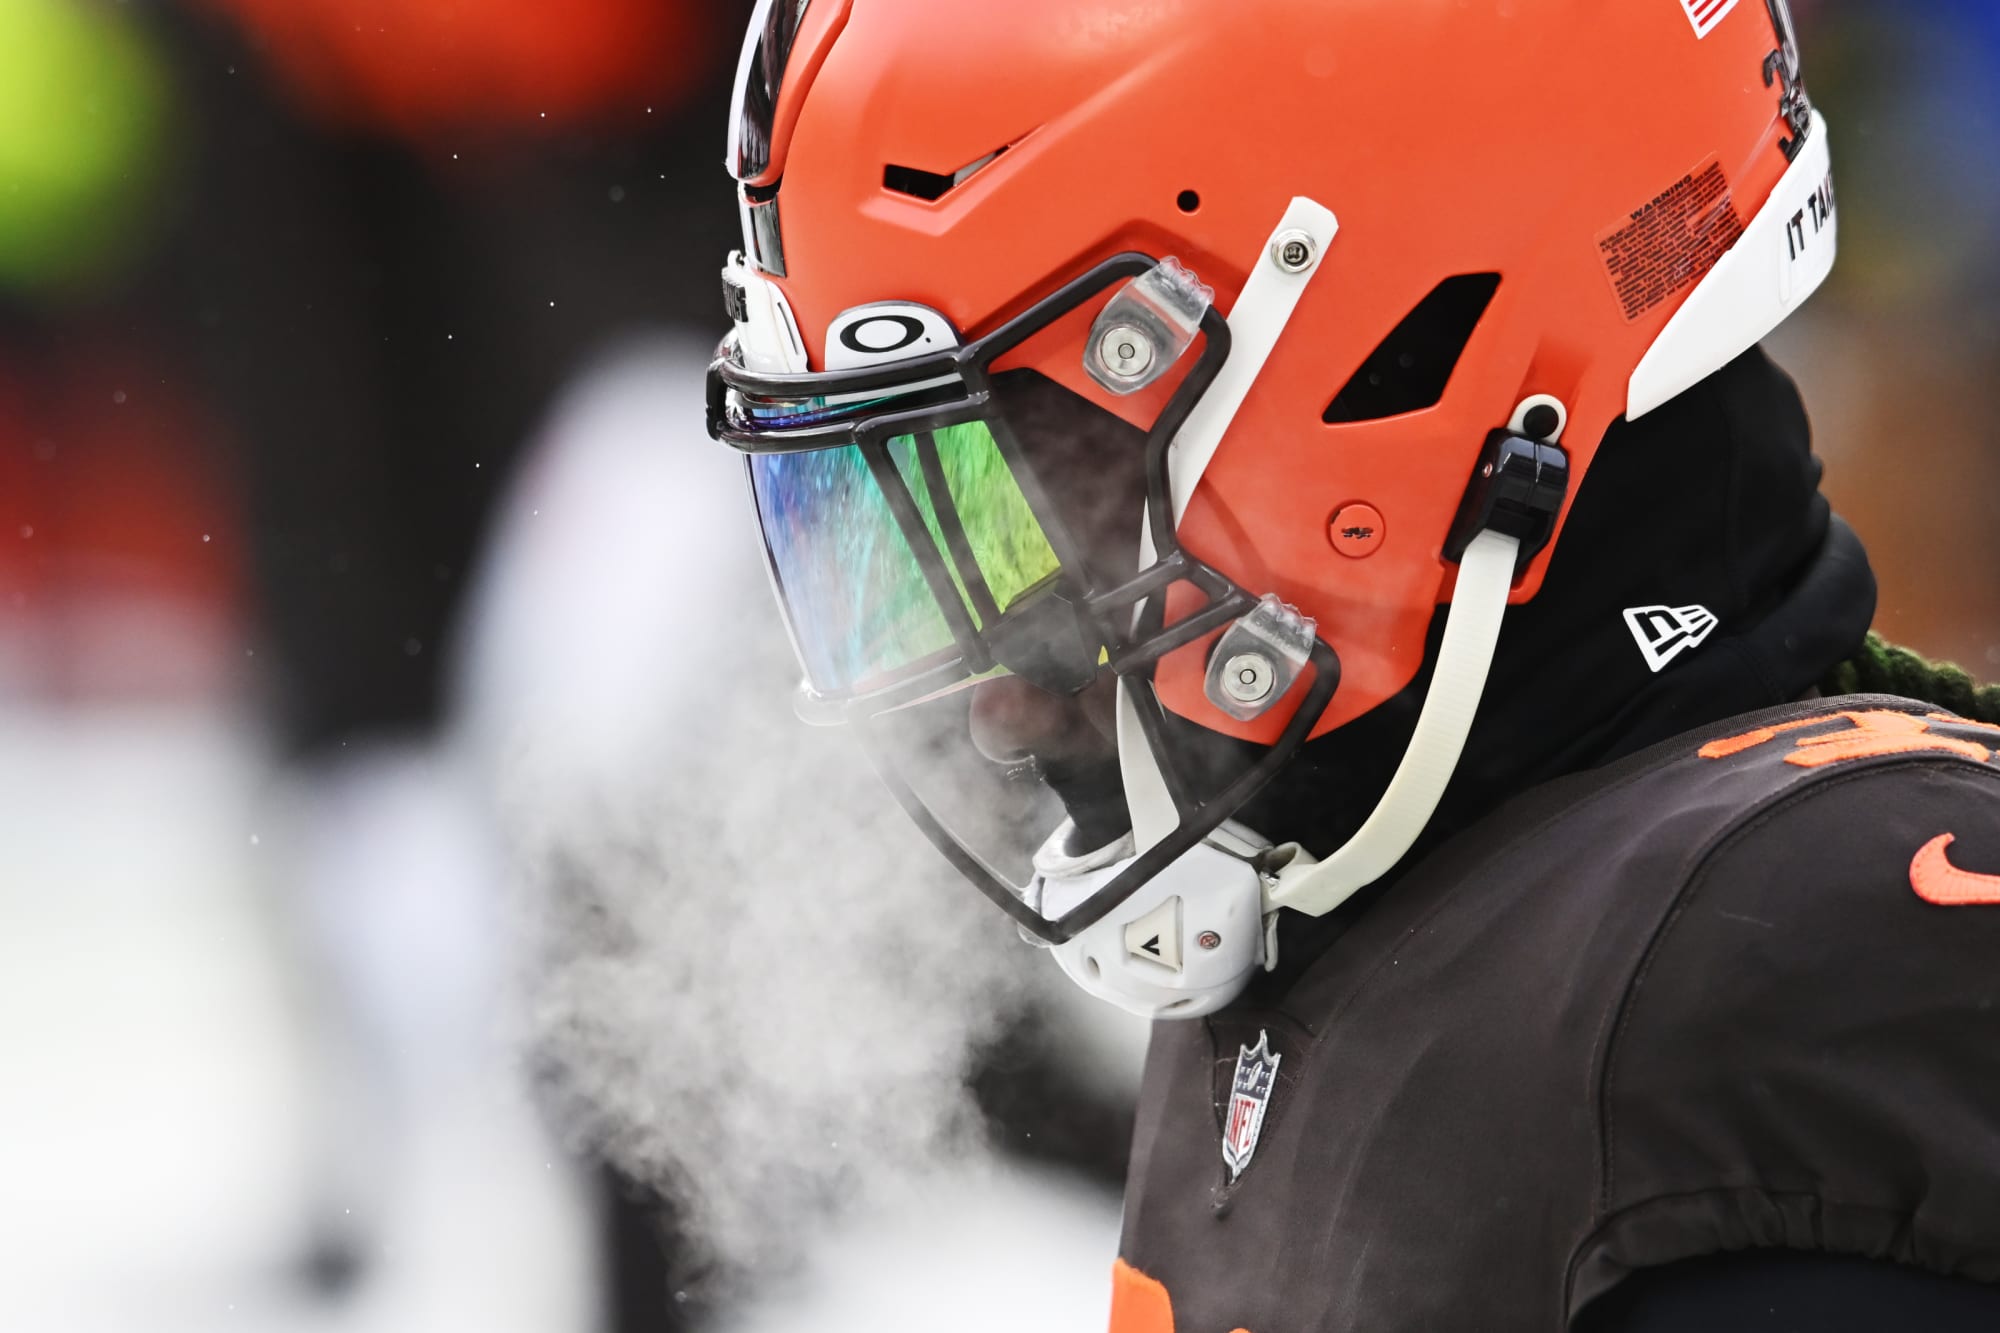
x=1250 y=1095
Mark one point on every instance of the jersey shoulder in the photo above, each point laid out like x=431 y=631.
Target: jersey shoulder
x=1807 y=1054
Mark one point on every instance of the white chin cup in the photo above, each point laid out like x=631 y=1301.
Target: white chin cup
x=1183 y=946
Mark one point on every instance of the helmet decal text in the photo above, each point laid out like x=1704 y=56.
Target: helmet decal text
x=1672 y=241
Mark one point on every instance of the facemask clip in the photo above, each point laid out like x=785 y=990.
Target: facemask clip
x=1146 y=327
x=1259 y=659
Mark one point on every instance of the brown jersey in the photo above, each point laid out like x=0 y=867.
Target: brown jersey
x=1741 y=990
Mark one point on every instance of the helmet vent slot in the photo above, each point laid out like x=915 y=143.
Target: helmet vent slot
x=1411 y=368
x=929 y=185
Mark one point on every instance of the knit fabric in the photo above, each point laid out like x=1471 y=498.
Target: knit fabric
x=1883 y=668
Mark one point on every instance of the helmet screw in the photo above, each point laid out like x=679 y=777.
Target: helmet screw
x=1208 y=939
x=1294 y=251
x=1125 y=351
x=1249 y=677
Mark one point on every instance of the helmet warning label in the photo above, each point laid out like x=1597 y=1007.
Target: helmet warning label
x=1671 y=242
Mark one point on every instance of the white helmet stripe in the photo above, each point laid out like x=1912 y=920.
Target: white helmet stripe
x=1256 y=322
x=1781 y=259
x=1478 y=606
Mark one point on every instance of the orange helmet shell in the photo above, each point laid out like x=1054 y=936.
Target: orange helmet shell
x=1532 y=141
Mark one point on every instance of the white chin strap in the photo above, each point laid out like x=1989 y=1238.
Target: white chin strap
x=1471 y=632
x=1784 y=255
x=1270 y=297
x=1190 y=939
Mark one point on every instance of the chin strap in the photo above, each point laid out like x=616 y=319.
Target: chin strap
x=1472 y=631
x=1478 y=605
x=1147 y=799
x=1257 y=321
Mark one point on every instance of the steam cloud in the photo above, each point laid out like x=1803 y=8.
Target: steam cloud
x=754 y=985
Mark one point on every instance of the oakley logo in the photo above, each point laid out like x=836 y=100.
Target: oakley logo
x=1665 y=632
x=867 y=335
x=882 y=334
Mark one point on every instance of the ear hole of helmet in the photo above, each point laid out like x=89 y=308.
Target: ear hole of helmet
x=1410 y=369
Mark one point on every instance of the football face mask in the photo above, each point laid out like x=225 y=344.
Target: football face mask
x=974 y=565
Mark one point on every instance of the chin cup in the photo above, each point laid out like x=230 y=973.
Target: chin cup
x=1183 y=946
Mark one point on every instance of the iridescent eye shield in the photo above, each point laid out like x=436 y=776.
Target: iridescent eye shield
x=915 y=547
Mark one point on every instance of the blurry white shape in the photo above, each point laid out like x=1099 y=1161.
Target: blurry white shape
x=620 y=576
x=970 y=1251
x=150 y=1115
x=489 y=1227
x=400 y=884
x=472 y=1215
x=161 y=1076
x=680 y=831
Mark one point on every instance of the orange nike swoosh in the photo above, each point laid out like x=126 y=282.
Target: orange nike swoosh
x=1937 y=880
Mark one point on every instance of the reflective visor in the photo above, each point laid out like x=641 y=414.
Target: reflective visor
x=863 y=611
x=933 y=523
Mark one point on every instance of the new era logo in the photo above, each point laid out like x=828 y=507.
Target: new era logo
x=1705 y=14
x=1665 y=632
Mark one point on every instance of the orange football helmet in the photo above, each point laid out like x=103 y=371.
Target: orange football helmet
x=1169 y=365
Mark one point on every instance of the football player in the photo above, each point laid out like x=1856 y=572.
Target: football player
x=1290 y=496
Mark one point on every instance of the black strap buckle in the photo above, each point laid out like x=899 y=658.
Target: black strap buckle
x=1517 y=490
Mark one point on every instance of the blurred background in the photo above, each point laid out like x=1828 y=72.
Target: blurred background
x=418 y=910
